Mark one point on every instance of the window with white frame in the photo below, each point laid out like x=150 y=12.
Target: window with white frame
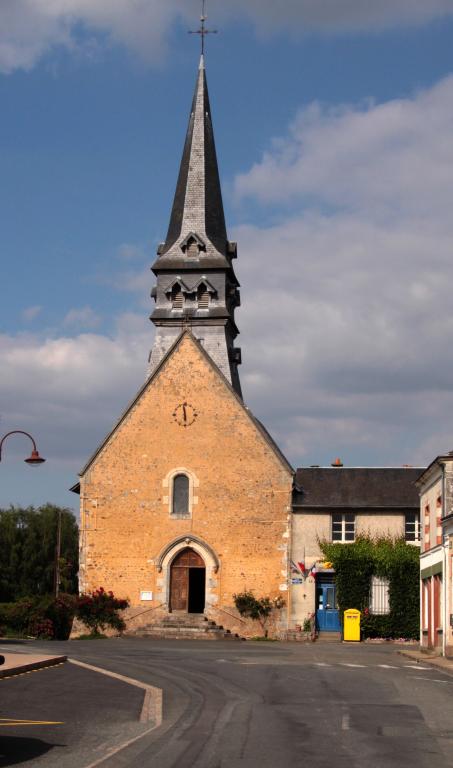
x=343 y=526
x=412 y=527
x=379 y=596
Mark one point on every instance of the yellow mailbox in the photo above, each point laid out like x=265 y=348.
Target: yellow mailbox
x=351 y=631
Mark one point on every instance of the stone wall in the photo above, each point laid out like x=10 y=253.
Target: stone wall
x=241 y=494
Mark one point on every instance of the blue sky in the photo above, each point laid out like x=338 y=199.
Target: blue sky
x=333 y=131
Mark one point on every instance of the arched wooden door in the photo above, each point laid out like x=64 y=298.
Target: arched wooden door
x=188 y=582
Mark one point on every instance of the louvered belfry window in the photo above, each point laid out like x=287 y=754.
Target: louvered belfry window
x=177 y=297
x=193 y=249
x=203 y=297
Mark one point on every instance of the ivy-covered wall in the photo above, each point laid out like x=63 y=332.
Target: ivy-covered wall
x=393 y=559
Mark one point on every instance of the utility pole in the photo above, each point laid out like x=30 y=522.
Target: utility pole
x=57 y=555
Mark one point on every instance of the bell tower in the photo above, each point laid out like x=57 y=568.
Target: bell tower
x=196 y=285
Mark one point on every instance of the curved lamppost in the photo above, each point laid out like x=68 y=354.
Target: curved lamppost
x=34 y=459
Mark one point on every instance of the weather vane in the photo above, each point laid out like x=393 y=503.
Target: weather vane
x=203 y=31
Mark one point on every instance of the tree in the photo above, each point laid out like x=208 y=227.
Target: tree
x=28 y=548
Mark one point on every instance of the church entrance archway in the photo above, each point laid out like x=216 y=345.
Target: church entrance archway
x=188 y=582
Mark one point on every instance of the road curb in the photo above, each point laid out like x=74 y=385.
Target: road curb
x=151 y=708
x=152 y=702
x=439 y=662
x=31 y=666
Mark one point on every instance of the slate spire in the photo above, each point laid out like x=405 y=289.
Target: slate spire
x=196 y=284
x=197 y=206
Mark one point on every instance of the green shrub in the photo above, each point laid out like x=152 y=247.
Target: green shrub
x=376 y=626
x=393 y=559
x=44 y=617
x=257 y=608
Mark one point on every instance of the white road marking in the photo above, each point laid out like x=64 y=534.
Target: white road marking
x=322 y=664
x=345 y=723
x=418 y=666
x=434 y=680
x=362 y=666
x=387 y=666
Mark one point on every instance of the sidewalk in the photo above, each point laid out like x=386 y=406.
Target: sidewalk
x=430 y=658
x=18 y=663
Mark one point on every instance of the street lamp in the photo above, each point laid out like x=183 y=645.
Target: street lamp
x=34 y=459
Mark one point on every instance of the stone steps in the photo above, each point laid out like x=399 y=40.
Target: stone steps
x=329 y=637
x=185 y=627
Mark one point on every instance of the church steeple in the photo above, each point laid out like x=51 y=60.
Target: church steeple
x=198 y=205
x=196 y=285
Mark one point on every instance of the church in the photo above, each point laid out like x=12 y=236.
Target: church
x=188 y=500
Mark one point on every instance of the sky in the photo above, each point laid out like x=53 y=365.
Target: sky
x=333 y=122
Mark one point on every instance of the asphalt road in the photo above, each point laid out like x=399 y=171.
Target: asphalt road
x=250 y=705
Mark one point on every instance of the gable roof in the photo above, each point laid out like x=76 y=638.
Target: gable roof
x=357 y=487
x=186 y=332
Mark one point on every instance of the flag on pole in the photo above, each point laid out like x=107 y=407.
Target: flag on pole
x=313 y=571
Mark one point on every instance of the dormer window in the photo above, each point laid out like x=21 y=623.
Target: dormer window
x=192 y=245
x=177 y=297
x=203 y=297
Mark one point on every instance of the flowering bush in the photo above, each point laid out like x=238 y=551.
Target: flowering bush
x=42 y=629
x=100 y=609
x=25 y=616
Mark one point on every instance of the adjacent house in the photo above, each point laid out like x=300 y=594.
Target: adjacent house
x=436 y=512
x=339 y=503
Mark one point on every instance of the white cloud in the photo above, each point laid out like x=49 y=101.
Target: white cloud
x=69 y=391
x=337 y=15
x=31 y=28
x=82 y=317
x=390 y=159
x=349 y=294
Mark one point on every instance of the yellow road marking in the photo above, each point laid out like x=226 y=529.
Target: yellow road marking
x=30 y=671
x=5 y=722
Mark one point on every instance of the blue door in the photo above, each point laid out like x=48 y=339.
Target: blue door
x=327 y=614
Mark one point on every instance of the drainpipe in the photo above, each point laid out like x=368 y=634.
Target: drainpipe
x=444 y=569
x=444 y=595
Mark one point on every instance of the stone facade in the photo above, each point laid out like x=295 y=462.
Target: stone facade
x=239 y=514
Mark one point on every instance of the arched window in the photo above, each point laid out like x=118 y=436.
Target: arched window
x=203 y=297
x=180 y=496
x=177 y=297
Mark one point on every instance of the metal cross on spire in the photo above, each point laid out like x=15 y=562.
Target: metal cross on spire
x=203 y=31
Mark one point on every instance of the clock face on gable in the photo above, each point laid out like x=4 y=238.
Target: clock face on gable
x=184 y=414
